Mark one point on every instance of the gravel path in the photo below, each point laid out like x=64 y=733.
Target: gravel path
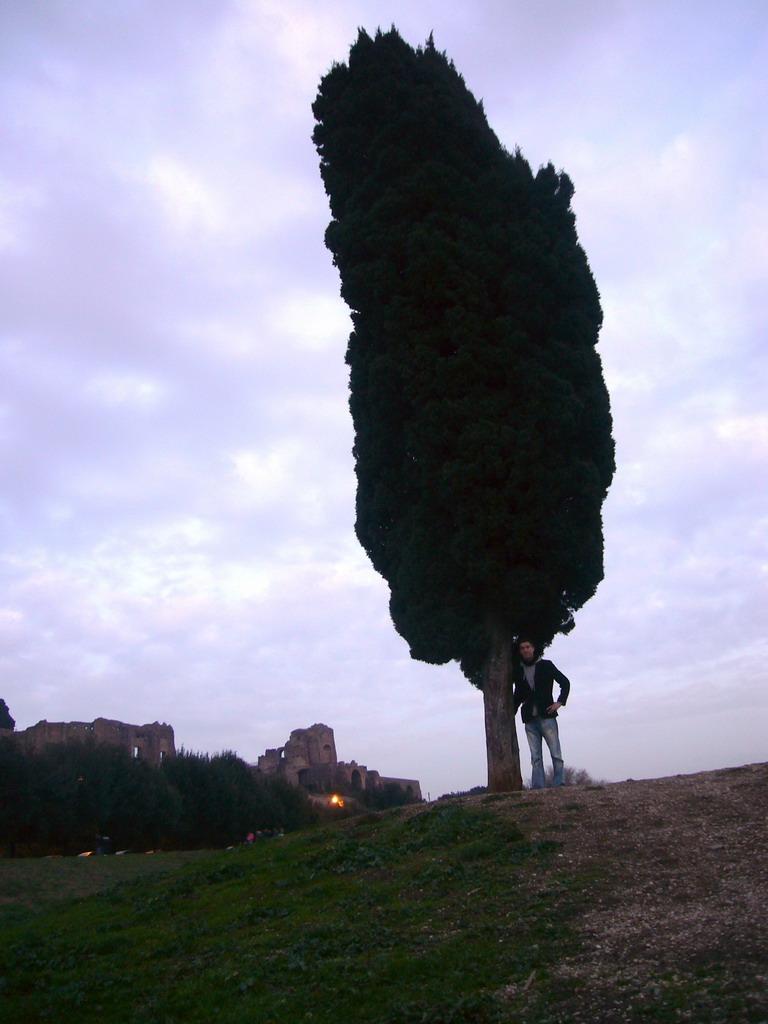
x=675 y=924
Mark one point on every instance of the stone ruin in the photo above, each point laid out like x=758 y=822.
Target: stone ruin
x=309 y=760
x=151 y=743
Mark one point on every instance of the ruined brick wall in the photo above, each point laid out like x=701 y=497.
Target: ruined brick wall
x=309 y=757
x=309 y=760
x=355 y=775
x=152 y=743
x=269 y=762
x=410 y=787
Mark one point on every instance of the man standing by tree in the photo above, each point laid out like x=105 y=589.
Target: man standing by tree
x=483 y=447
x=534 y=679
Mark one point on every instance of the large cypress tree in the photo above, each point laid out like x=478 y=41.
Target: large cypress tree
x=482 y=423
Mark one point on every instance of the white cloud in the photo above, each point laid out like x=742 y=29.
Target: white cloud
x=125 y=389
x=184 y=198
x=317 y=322
x=15 y=198
x=745 y=433
x=268 y=476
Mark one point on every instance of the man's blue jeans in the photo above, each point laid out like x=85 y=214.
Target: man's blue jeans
x=536 y=730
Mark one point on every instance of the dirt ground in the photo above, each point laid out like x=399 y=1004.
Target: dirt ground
x=674 y=925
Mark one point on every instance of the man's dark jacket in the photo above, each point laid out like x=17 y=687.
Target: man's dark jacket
x=545 y=676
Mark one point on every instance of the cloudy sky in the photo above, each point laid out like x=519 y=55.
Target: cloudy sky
x=177 y=495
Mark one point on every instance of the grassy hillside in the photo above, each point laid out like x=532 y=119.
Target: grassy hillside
x=383 y=918
x=443 y=915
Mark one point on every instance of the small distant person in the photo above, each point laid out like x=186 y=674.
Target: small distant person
x=534 y=679
x=103 y=846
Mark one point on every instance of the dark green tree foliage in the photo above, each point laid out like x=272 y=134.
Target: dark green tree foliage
x=6 y=722
x=482 y=424
x=15 y=791
x=222 y=800
x=60 y=799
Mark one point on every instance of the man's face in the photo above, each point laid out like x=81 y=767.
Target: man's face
x=526 y=650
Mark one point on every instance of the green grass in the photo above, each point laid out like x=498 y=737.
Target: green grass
x=29 y=886
x=389 y=919
x=451 y=915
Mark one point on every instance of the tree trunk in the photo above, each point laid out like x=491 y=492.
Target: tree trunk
x=500 y=735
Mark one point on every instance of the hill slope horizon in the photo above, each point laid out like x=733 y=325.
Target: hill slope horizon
x=619 y=902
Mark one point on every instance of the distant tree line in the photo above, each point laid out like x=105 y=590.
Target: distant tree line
x=67 y=797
